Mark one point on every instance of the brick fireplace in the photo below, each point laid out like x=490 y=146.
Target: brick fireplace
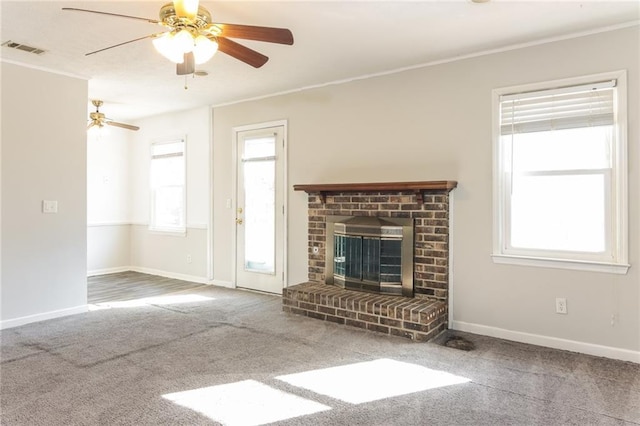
x=426 y=204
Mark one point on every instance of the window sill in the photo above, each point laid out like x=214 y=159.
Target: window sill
x=579 y=265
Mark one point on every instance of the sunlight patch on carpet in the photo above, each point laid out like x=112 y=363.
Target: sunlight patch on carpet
x=372 y=380
x=245 y=403
x=157 y=300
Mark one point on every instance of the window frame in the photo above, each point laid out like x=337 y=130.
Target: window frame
x=153 y=227
x=616 y=235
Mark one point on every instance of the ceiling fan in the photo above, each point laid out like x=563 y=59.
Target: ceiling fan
x=97 y=119
x=191 y=37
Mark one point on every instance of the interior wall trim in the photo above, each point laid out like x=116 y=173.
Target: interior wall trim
x=16 y=322
x=109 y=223
x=106 y=271
x=550 y=342
x=128 y=223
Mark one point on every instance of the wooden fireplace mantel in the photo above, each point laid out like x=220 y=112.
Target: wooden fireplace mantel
x=416 y=187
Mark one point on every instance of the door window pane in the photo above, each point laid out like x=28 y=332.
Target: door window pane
x=259 y=147
x=259 y=216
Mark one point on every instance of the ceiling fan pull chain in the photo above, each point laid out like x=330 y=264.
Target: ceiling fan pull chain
x=186 y=85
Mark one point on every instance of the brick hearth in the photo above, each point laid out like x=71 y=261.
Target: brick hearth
x=418 y=318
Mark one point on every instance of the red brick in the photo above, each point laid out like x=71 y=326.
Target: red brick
x=326 y=310
x=307 y=306
x=367 y=318
x=355 y=323
x=391 y=322
x=378 y=328
x=346 y=314
x=337 y=320
x=316 y=315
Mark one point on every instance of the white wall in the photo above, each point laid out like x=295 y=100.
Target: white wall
x=434 y=123
x=108 y=176
x=118 y=197
x=43 y=158
x=183 y=257
x=155 y=252
x=108 y=248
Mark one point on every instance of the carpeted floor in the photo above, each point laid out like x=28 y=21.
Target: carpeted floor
x=210 y=355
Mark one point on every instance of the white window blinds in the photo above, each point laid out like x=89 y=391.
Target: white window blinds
x=562 y=108
x=167 y=149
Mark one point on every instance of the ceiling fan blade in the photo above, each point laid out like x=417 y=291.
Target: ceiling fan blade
x=249 y=32
x=123 y=43
x=151 y=21
x=242 y=53
x=188 y=66
x=124 y=126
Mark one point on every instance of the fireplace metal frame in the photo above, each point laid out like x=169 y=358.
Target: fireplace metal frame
x=407 y=263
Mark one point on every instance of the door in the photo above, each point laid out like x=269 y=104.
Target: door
x=260 y=209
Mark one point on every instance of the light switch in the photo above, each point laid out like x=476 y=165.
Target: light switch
x=49 y=206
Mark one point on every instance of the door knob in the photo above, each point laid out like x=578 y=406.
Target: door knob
x=239 y=221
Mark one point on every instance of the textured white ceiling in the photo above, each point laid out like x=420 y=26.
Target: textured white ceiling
x=333 y=41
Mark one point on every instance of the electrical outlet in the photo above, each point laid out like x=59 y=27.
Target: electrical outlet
x=188 y=258
x=613 y=320
x=561 y=305
x=49 y=206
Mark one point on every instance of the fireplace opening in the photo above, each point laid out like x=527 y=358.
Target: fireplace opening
x=370 y=254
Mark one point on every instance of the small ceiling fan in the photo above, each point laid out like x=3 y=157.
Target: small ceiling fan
x=191 y=37
x=97 y=119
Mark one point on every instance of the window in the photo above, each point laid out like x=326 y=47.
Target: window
x=168 y=186
x=560 y=174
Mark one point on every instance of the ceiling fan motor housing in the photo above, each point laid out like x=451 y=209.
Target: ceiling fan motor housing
x=202 y=20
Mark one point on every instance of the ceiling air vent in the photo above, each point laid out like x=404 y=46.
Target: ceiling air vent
x=24 y=47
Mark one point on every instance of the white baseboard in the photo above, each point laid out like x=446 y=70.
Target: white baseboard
x=550 y=342
x=15 y=322
x=106 y=271
x=221 y=283
x=174 y=275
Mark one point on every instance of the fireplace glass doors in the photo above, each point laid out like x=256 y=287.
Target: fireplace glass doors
x=368 y=259
x=371 y=254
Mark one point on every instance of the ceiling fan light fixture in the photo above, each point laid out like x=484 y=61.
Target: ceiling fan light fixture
x=204 y=48
x=183 y=42
x=166 y=45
